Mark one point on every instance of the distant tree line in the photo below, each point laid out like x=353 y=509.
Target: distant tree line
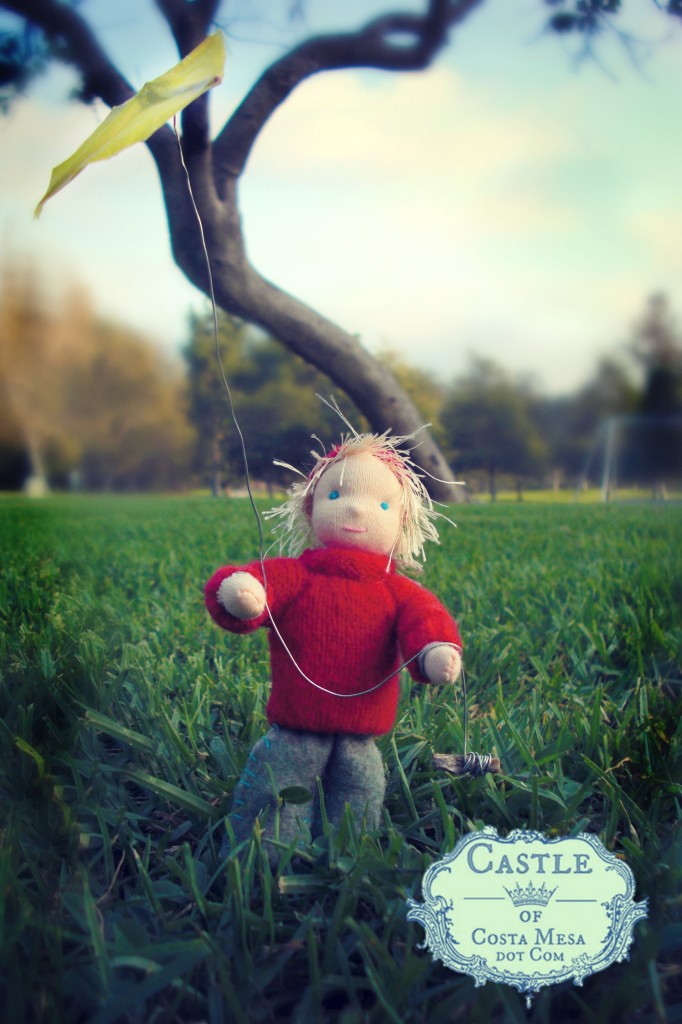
x=89 y=404
x=500 y=432
x=85 y=403
x=274 y=395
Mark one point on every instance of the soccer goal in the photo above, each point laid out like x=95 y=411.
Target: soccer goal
x=636 y=452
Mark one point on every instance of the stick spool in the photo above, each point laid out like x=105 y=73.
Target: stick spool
x=468 y=764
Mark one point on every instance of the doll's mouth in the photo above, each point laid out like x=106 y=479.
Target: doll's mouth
x=355 y=529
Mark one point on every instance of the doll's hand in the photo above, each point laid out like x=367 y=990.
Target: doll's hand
x=242 y=595
x=442 y=664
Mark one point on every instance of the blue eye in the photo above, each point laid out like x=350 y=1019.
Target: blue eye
x=384 y=504
x=333 y=495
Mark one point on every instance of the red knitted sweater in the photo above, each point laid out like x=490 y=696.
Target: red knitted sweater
x=348 y=624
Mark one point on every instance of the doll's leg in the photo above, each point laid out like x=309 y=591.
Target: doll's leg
x=291 y=758
x=355 y=775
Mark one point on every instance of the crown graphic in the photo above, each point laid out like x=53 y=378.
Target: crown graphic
x=531 y=894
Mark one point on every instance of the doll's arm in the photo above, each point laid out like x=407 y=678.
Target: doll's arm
x=235 y=595
x=426 y=633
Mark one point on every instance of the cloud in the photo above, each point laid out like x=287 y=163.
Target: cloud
x=661 y=232
x=430 y=128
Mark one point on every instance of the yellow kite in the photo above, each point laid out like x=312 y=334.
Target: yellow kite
x=146 y=111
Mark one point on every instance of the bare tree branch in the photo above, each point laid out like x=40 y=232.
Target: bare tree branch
x=67 y=29
x=382 y=44
x=189 y=24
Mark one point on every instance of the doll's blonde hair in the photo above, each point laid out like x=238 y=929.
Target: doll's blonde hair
x=418 y=526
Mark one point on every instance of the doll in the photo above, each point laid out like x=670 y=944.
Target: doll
x=340 y=618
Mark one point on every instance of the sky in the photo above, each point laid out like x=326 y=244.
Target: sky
x=513 y=202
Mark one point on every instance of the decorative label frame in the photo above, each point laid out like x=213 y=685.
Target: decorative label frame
x=526 y=910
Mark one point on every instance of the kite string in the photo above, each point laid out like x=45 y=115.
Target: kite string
x=247 y=474
x=214 y=308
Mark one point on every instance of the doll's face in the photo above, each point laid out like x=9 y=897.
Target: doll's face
x=357 y=504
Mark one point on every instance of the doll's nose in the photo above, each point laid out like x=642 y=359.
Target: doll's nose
x=354 y=510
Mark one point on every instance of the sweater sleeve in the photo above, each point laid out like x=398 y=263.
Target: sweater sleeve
x=421 y=620
x=284 y=578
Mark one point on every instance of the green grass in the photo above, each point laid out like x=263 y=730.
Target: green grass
x=126 y=716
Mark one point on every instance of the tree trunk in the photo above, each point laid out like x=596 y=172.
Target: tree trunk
x=338 y=354
x=216 y=463
x=36 y=484
x=492 y=483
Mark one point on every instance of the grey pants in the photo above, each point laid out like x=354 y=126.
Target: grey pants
x=350 y=768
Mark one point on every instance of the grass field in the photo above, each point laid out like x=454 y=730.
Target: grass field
x=126 y=716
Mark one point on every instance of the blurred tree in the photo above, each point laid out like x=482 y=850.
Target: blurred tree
x=274 y=394
x=425 y=391
x=488 y=425
x=31 y=356
x=570 y=423
x=208 y=399
x=281 y=410
x=587 y=18
x=654 y=440
x=82 y=398
x=657 y=345
x=15 y=466
x=126 y=410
